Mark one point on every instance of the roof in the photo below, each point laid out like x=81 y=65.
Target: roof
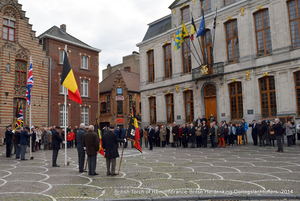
x=158 y=27
x=178 y=3
x=132 y=81
x=56 y=33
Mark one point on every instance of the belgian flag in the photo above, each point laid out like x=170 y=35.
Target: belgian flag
x=193 y=29
x=68 y=80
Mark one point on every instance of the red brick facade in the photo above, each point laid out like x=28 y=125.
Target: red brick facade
x=14 y=48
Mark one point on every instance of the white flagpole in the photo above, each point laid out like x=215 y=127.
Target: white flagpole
x=30 y=119
x=66 y=118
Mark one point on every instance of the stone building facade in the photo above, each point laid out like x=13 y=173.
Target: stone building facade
x=253 y=71
x=18 y=43
x=84 y=61
x=131 y=63
x=117 y=93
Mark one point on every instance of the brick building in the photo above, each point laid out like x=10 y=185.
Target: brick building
x=18 y=42
x=117 y=92
x=84 y=62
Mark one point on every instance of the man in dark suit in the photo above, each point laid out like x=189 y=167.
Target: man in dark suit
x=17 y=142
x=81 y=154
x=8 y=140
x=91 y=142
x=191 y=132
x=175 y=133
x=56 y=140
x=204 y=131
x=254 y=132
x=110 y=144
x=24 y=141
x=150 y=137
x=278 y=134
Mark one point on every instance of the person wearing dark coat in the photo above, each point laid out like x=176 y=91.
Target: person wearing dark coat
x=261 y=133
x=212 y=135
x=110 y=144
x=156 y=136
x=204 y=131
x=184 y=135
x=175 y=133
x=191 y=132
x=278 y=134
x=17 y=142
x=90 y=140
x=24 y=141
x=204 y=119
x=198 y=134
x=221 y=135
x=55 y=145
x=150 y=136
x=271 y=134
x=33 y=138
x=8 y=140
x=80 y=149
x=253 y=125
x=239 y=133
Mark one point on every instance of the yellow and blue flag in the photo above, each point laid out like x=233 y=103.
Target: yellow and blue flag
x=178 y=40
x=201 y=31
x=184 y=32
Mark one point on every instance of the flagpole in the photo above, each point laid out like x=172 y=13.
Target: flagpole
x=121 y=157
x=30 y=119
x=198 y=40
x=66 y=118
x=214 y=35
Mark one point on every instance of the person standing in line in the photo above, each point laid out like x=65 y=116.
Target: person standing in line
x=184 y=134
x=80 y=149
x=266 y=123
x=191 y=132
x=110 y=144
x=253 y=125
x=289 y=133
x=8 y=140
x=145 y=136
x=156 y=136
x=294 y=131
x=245 y=126
x=90 y=140
x=150 y=137
x=212 y=135
x=278 y=134
x=55 y=145
x=24 y=136
x=198 y=135
x=271 y=134
x=298 y=131
x=221 y=135
x=175 y=132
x=204 y=131
x=17 y=142
x=261 y=133
x=239 y=133
x=162 y=135
x=44 y=138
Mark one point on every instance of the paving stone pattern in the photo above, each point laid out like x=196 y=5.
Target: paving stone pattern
x=163 y=172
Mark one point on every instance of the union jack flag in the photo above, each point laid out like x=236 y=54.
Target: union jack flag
x=29 y=84
x=20 y=118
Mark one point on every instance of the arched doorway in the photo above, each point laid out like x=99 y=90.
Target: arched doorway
x=210 y=101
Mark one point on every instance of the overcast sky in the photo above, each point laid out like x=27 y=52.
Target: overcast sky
x=114 y=26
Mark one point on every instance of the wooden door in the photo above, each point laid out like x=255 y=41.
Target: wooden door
x=210 y=100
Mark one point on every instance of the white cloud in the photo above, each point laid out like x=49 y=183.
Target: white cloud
x=114 y=26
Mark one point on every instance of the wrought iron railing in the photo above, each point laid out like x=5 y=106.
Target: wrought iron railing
x=215 y=69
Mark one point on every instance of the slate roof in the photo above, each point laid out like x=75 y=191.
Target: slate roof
x=160 y=27
x=56 y=32
x=132 y=81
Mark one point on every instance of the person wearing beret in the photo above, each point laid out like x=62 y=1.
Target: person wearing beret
x=56 y=140
x=23 y=141
x=110 y=144
x=17 y=142
x=8 y=140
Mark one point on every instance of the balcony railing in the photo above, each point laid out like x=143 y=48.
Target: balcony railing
x=210 y=70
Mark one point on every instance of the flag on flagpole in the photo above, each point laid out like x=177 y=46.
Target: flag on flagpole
x=68 y=80
x=29 y=83
x=193 y=29
x=184 y=32
x=201 y=31
x=177 y=40
x=19 y=118
x=213 y=27
x=101 y=150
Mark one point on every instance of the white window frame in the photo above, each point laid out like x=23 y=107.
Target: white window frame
x=84 y=87
x=84 y=62
x=62 y=115
x=63 y=90
x=8 y=26
x=61 y=56
x=85 y=115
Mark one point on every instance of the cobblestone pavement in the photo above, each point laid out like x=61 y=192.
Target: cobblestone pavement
x=238 y=170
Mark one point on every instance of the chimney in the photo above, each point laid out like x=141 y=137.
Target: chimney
x=63 y=28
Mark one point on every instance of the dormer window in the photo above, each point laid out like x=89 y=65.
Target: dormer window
x=9 y=29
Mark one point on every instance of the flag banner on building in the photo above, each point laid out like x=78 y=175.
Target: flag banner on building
x=177 y=40
x=201 y=31
x=213 y=28
x=101 y=150
x=68 y=80
x=29 y=84
x=193 y=29
x=19 y=118
x=184 y=32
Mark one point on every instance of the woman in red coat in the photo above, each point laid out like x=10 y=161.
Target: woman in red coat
x=72 y=138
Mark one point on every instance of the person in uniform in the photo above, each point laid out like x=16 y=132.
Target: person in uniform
x=8 y=140
x=110 y=144
x=80 y=150
x=24 y=141
x=90 y=140
x=17 y=142
x=56 y=140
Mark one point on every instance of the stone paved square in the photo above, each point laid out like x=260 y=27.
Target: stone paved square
x=163 y=172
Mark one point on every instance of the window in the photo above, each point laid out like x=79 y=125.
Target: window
x=185 y=14
x=186 y=56
x=232 y=41
x=119 y=107
x=170 y=108
x=103 y=107
x=297 y=85
x=236 y=100
x=294 y=17
x=207 y=50
x=85 y=115
x=20 y=73
x=189 y=106
x=63 y=116
x=84 y=87
x=9 y=29
x=268 y=97
x=130 y=103
x=61 y=56
x=151 y=66
x=119 y=91
x=152 y=104
x=84 y=62
x=62 y=89
x=17 y=103
x=206 y=5
x=263 y=33
x=108 y=103
x=168 y=61
x=227 y=2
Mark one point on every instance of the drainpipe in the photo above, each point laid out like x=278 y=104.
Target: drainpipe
x=49 y=90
